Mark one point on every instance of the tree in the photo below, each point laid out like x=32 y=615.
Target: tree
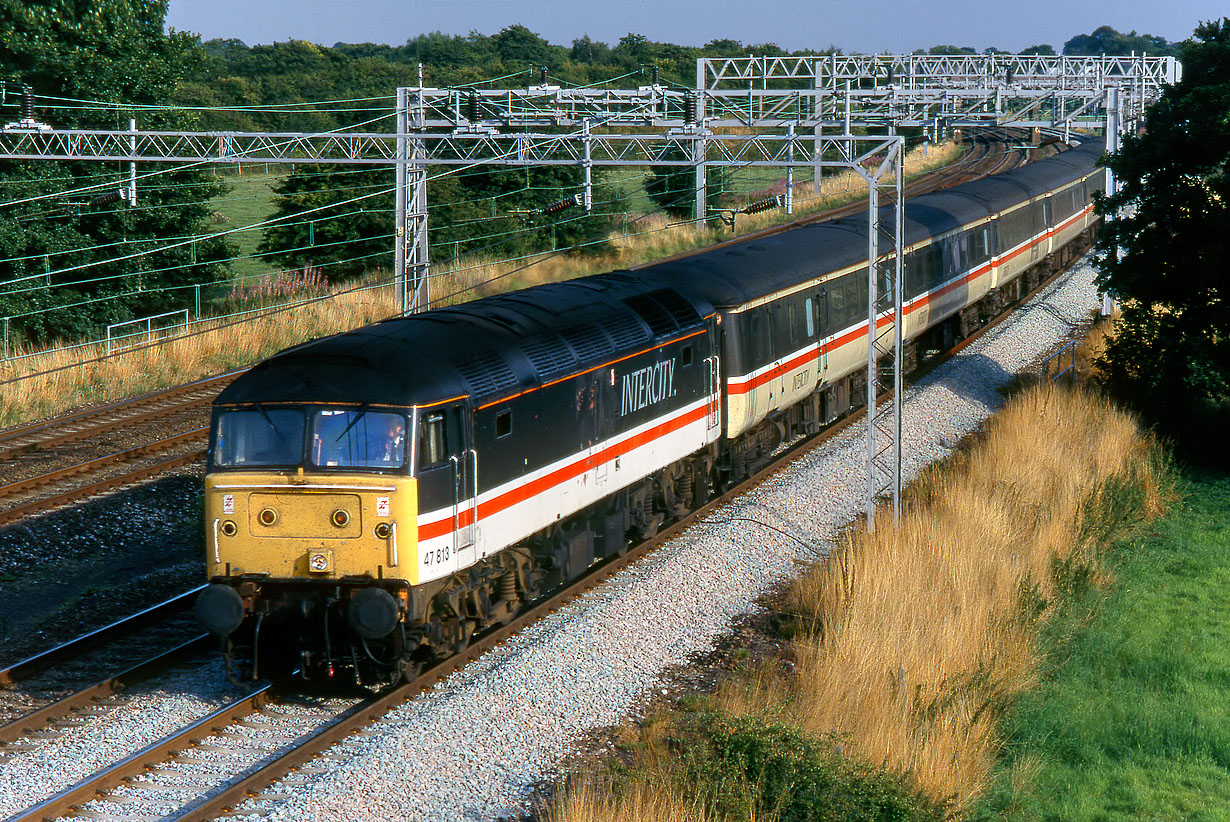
x=96 y=258
x=1164 y=252
x=519 y=47
x=1043 y=49
x=586 y=50
x=502 y=212
x=339 y=221
x=673 y=188
x=1105 y=40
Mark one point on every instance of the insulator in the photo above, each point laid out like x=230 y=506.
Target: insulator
x=560 y=205
x=657 y=76
x=689 y=107
x=542 y=75
x=474 y=111
x=890 y=75
x=27 y=102
x=1008 y=76
x=763 y=205
x=109 y=197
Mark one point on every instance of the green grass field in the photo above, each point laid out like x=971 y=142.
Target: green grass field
x=1131 y=719
x=250 y=201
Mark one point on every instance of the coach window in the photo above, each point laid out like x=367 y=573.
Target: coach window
x=432 y=442
x=686 y=356
x=503 y=424
x=837 y=305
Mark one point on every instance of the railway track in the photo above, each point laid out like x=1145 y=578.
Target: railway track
x=47 y=694
x=219 y=740
x=68 y=458
x=33 y=439
x=982 y=160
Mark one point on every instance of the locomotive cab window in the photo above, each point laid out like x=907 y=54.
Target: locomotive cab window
x=248 y=439
x=810 y=317
x=433 y=448
x=358 y=439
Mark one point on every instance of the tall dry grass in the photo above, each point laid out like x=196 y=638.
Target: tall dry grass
x=644 y=800
x=66 y=379
x=920 y=635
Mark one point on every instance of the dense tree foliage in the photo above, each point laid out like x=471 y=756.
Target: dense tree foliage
x=1165 y=253
x=61 y=242
x=1105 y=40
x=342 y=220
x=673 y=188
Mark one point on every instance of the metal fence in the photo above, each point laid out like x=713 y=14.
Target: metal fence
x=146 y=329
x=149 y=332
x=1064 y=361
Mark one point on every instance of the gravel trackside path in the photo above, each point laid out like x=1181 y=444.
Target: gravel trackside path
x=474 y=747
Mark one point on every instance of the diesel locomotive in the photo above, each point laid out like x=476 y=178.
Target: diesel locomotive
x=375 y=497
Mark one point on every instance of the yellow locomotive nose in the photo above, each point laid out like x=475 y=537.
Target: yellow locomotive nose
x=330 y=527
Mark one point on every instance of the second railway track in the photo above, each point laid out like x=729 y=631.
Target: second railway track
x=54 y=462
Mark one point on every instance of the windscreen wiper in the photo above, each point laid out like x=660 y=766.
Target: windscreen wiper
x=357 y=417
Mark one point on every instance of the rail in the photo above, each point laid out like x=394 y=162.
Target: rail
x=35 y=664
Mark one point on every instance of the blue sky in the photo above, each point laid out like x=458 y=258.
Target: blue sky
x=862 y=26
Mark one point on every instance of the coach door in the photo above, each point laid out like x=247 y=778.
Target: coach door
x=820 y=319
x=448 y=476
x=465 y=483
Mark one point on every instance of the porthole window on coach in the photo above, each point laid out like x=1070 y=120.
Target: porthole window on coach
x=433 y=448
x=260 y=437
x=343 y=438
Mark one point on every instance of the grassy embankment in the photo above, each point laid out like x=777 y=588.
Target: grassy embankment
x=1131 y=716
x=84 y=377
x=908 y=647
